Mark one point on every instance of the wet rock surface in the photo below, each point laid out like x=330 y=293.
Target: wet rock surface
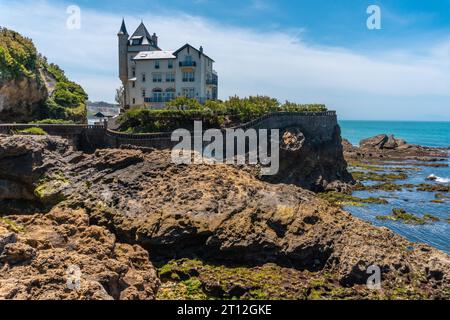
x=113 y=203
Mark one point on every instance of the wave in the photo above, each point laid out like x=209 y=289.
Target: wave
x=438 y=179
x=443 y=180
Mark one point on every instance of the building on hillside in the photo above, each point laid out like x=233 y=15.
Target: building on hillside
x=151 y=76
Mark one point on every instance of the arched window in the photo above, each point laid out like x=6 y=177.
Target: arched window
x=157 y=95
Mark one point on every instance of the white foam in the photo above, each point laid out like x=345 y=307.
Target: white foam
x=442 y=180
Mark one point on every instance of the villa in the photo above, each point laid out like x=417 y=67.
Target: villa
x=151 y=76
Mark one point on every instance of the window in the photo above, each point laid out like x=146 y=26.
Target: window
x=157 y=95
x=170 y=77
x=134 y=101
x=133 y=72
x=188 y=77
x=144 y=78
x=157 y=77
x=133 y=84
x=157 y=64
x=170 y=64
x=188 y=92
x=170 y=94
x=143 y=93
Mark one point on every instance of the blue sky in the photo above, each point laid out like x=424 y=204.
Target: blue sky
x=306 y=51
x=328 y=22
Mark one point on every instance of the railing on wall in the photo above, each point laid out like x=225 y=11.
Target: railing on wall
x=99 y=136
x=253 y=123
x=52 y=126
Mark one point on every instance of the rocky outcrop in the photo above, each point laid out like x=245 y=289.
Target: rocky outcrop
x=61 y=256
x=25 y=160
x=215 y=212
x=31 y=88
x=19 y=99
x=384 y=147
x=311 y=163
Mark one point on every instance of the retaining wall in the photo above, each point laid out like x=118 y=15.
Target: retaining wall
x=317 y=125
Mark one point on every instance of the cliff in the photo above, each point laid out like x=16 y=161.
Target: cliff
x=228 y=232
x=32 y=89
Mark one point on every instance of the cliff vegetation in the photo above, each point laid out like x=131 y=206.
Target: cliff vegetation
x=180 y=113
x=31 y=88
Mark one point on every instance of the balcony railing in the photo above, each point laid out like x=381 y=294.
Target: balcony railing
x=158 y=99
x=188 y=64
x=213 y=82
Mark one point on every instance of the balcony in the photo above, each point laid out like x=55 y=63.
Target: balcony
x=212 y=82
x=158 y=99
x=188 y=64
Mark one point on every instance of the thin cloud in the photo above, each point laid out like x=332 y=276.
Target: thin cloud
x=248 y=62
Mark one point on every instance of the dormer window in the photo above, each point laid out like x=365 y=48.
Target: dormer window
x=136 y=41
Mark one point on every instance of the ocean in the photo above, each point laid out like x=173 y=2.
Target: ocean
x=433 y=134
x=430 y=134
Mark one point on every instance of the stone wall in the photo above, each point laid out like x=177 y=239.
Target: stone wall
x=83 y=137
x=320 y=126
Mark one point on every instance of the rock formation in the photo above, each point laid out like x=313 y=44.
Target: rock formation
x=384 y=147
x=32 y=89
x=311 y=164
x=135 y=199
x=60 y=256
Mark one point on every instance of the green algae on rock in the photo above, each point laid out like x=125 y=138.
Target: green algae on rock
x=401 y=215
x=342 y=199
x=372 y=176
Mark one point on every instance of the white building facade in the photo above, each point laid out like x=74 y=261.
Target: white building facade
x=152 y=77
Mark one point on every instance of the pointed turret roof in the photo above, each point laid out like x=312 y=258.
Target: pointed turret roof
x=123 y=28
x=142 y=31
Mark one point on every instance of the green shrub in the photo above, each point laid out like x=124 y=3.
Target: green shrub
x=33 y=131
x=181 y=112
x=53 y=121
x=19 y=58
x=183 y=103
x=68 y=101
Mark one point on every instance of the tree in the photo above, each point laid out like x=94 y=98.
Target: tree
x=119 y=96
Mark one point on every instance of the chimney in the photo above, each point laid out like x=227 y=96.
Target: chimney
x=201 y=49
x=155 y=39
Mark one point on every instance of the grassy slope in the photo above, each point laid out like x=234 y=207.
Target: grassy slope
x=19 y=58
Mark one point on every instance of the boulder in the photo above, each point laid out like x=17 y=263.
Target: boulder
x=376 y=142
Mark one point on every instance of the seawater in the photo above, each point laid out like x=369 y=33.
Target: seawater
x=433 y=134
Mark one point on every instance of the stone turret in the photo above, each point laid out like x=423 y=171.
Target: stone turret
x=155 y=39
x=123 y=58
